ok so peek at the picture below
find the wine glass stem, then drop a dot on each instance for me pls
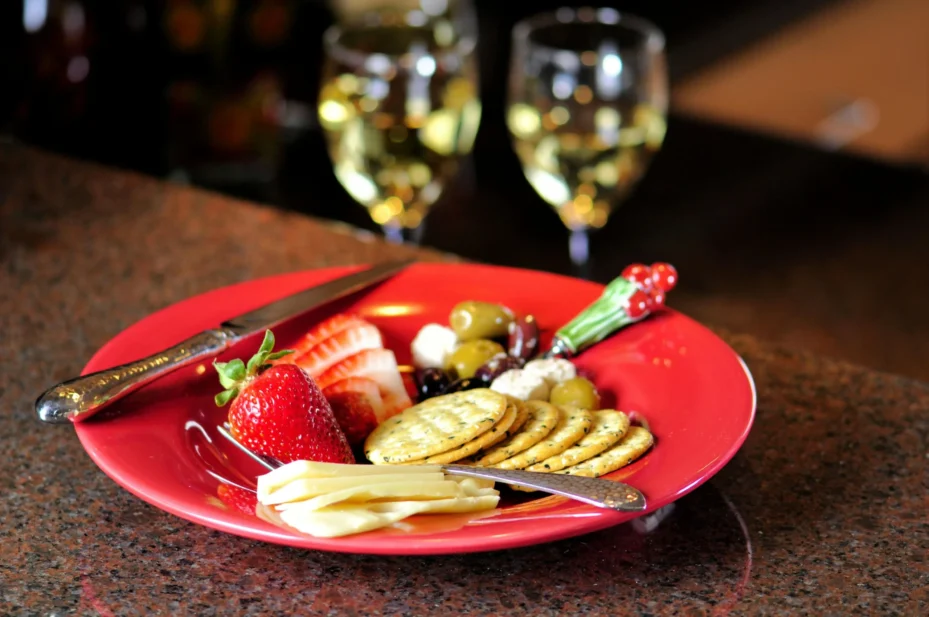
(397, 234)
(579, 250)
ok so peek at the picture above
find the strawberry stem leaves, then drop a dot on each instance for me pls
(225, 396)
(230, 373)
(264, 354)
(235, 374)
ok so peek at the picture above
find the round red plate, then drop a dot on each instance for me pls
(694, 391)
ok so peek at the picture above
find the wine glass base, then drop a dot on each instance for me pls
(395, 234)
(579, 250)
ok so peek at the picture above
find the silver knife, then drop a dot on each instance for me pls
(80, 398)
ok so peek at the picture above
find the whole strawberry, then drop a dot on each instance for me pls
(279, 411)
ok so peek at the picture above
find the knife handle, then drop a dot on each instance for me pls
(78, 399)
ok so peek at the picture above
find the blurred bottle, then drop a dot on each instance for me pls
(85, 79)
(224, 91)
(59, 41)
(241, 83)
(127, 109)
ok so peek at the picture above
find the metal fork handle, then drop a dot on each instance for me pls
(594, 491)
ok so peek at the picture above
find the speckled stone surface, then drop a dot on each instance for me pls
(823, 511)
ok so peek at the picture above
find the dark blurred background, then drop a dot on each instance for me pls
(100, 79)
(792, 187)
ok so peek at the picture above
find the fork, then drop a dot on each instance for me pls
(597, 492)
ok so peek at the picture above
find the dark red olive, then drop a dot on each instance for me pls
(497, 366)
(523, 341)
(431, 382)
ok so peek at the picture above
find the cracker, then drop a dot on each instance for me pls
(572, 426)
(608, 428)
(541, 420)
(636, 443)
(436, 425)
(481, 441)
(522, 414)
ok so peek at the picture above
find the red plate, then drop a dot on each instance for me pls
(695, 392)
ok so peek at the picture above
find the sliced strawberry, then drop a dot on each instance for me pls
(279, 410)
(339, 346)
(379, 365)
(357, 405)
(323, 330)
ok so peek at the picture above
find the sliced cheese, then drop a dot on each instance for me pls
(340, 522)
(305, 488)
(437, 506)
(472, 486)
(391, 490)
(330, 500)
(273, 480)
(346, 519)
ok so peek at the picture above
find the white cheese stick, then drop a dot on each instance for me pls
(341, 522)
(305, 488)
(391, 490)
(346, 519)
(273, 480)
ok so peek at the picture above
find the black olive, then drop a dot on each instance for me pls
(459, 385)
(431, 382)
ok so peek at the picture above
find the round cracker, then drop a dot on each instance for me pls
(541, 420)
(436, 425)
(636, 443)
(481, 441)
(522, 414)
(608, 428)
(572, 426)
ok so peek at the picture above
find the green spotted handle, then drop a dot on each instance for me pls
(628, 299)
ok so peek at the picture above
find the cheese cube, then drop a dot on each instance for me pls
(433, 345)
(522, 385)
(552, 370)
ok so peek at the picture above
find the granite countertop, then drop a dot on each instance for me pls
(822, 512)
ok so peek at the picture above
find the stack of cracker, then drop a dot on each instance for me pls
(488, 429)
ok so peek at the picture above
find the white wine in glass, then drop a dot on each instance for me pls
(400, 107)
(587, 101)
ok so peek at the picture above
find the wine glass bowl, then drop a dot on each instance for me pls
(587, 100)
(399, 106)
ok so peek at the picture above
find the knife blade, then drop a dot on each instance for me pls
(80, 398)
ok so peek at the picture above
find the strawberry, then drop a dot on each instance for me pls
(379, 365)
(357, 405)
(325, 329)
(339, 346)
(279, 411)
(236, 498)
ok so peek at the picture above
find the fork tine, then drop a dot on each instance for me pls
(267, 462)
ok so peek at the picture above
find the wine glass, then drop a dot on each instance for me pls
(587, 99)
(399, 105)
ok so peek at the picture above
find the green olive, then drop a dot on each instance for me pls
(575, 392)
(475, 320)
(472, 355)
